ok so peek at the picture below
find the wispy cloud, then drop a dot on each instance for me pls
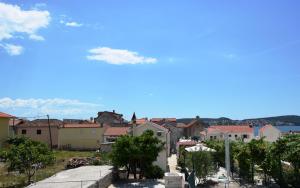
(36, 37)
(73, 24)
(12, 49)
(118, 56)
(55, 106)
(69, 23)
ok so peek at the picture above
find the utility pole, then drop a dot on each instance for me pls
(49, 132)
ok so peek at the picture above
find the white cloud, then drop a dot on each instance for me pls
(15, 20)
(73, 24)
(36, 37)
(118, 56)
(12, 49)
(55, 106)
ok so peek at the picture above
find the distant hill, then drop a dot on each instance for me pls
(276, 120)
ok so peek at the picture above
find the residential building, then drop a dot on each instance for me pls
(40, 130)
(4, 127)
(193, 129)
(110, 118)
(162, 134)
(80, 136)
(270, 133)
(234, 132)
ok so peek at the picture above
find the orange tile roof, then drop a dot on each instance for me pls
(4, 115)
(116, 131)
(232, 128)
(81, 125)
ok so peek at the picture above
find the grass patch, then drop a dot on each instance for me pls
(16, 180)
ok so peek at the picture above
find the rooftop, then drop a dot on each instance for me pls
(4, 115)
(231, 128)
(116, 131)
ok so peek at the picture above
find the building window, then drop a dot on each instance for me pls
(230, 135)
(211, 137)
(215, 137)
(245, 136)
(159, 133)
(235, 136)
(38, 131)
(23, 131)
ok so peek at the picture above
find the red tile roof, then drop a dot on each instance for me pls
(4, 115)
(116, 131)
(81, 125)
(232, 128)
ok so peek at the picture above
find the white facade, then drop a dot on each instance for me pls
(162, 134)
(234, 133)
(270, 133)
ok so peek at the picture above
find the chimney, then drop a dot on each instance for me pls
(113, 111)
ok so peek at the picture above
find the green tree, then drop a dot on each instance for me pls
(202, 162)
(134, 152)
(24, 154)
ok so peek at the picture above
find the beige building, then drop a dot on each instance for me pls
(81, 136)
(162, 134)
(4, 127)
(234, 132)
(40, 130)
(270, 133)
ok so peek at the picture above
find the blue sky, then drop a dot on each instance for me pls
(70, 59)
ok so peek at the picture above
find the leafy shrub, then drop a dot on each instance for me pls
(154, 172)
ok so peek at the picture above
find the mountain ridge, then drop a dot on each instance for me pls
(291, 120)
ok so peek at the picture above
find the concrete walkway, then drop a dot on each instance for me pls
(82, 177)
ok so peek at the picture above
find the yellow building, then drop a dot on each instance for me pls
(81, 136)
(4, 127)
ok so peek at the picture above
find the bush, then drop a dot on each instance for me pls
(154, 172)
